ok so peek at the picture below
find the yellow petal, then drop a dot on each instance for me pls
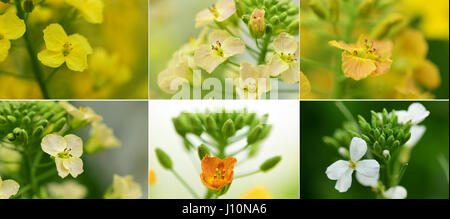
(277, 66)
(206, 59)
(5, 45)
(342, 45)
(357, 68)
(226, 8)
(305, 85)
(382, 67)
(55, 37)
(77, 60)
(233, 46)
(93, 11)
(11, 26)
(79, 41)
(285, 43)
(203, 18)
(427, 74)
(292, 75)
(51, 58)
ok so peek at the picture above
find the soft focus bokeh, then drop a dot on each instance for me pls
(172, 25)
(117, 68)
(424, 177)
(280, 182)
(419, 33)
(128, 120)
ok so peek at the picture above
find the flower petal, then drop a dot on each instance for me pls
(8, 188)
(5, 45)
(336, 170)
(396, 192)
(344, 183)
(417, 132)
(357, 68)
(285, 43)
(277, 66)
(417, 113)
(74, 165)
(358, 148)
(233, 46)
(11, 26)
(292, 75)
(75, 145)
(369, 168)
(80, 41)
(51, 59)
(226, 8)
(53, 144)
(77, 60)
(62, 171)
(205, 59)
(55, 37)
(367, 181)
(218, 36)
(203, 18)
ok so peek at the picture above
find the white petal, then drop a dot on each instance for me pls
(75, 145)
(285, 43)
(277, 66)
(336, 170)
(369, 168)
(62, 171)
(417, 113)
(203, 18)
(367, 181)
(403, 116)
(233, 46)
(292, 75)
(8, 188)
(53, 144)
(226, 8)
(396, 192)
(417, 132)
(344, 183)
(74, 165)
(358, 148)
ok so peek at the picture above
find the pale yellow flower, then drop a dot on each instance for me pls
(305, 85)
(253, 81)
(285, 60)
(177, 73)
(69, 189)
(124, 188)
(60, 48)
(221, 46)
(92, 10)
(8, 188)
(101, 137)
(218, 12)
(11, 28)
(85, 115)
(107, 68)
(67, 151)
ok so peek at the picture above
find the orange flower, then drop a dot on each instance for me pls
(366, 57)
(217, 173)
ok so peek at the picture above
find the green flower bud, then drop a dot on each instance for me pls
(246, 18)
(37, 132)
(294, 27)
(293, 11)
(270, 163)
(366, 138)
(2, 120)
(11, 119)
(254, 134)
(24, 136)
(366, 8)
(390, 140)
(331, 141)
(335, 10)
(283, 16)
(265, 132)
(406, 137)
(26, 120)
(382, 139)
(43, 123)
(187, 144)
(269, 28)
(228, 129)
(275, 20)
(11, 137)
(163, 158)
(376, 146)
(178, 126)
(396, 144)
(318, 9)
(239, 122)
(60, 124)
(249, 118)
(28, 6)
(211, 124)
(203, 151)
(383, 29)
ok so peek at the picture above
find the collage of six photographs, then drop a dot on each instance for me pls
(176, 99)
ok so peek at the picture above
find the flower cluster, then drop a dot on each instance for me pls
(227, 25)
(210, 136)
(29, 130)
(368, 49)
(387, 141)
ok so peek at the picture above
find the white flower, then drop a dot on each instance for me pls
(417, 132)
(367, 171)
(8, 188)
(416, 113)
(69, 189)
(124, 188)
(85, 115)
(285, 61)
(396, 192)
(386, 154)
(218, 12)
(67, 151)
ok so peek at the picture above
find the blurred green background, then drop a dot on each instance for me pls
(424, 178)
(129, 121)
(281, 182)
(439, 55)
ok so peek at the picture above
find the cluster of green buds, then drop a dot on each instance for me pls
(24, 123)
(269, 16)
(223, 128)
(384, 134)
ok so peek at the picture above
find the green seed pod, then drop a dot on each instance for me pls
(228, 129)
(203, 151)
(163, 158)
(270, 163)
(318, 9)
(37, 132)
(211, 124)
(254, 134)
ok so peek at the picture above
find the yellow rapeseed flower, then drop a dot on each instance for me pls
(92, 10)
(11, 28)
(60, 48)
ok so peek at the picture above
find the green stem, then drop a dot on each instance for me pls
(10, 162)
(14, 75)
(247, 174)
(38, 73)
(45, 175)
(209, 194)
(265, 45)
(239, 151)
(51, 74)
(185, 184)
(315, 63)
(232, 63)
